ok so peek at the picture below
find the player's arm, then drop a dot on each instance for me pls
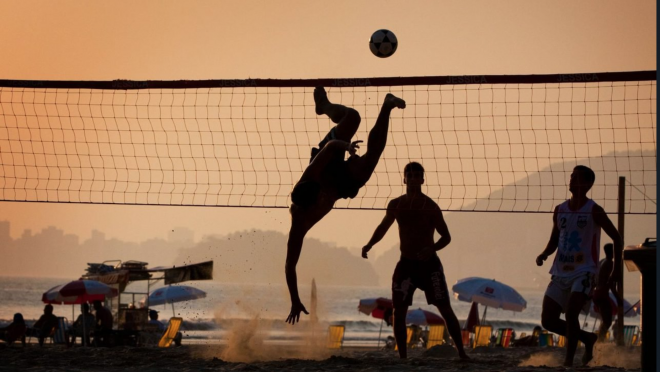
(601, 218)
(381, 230)
(551, 247)
(445, 237)
(294, 248)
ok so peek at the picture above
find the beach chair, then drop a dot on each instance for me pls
(546, 339)
(59, 335)
(465, 335)
(409, 335)
(436, 335)
(335, 336)
(503, 338)
(170, 333)
(561, 341)
(482, 335)
(630, 333)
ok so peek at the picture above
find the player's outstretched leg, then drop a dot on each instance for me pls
(378, 134)
(347, 119)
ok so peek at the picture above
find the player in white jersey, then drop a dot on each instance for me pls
(575, 236)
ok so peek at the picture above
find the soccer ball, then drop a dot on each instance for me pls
(383, 43)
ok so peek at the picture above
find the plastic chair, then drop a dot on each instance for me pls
(482, 335)
(465, 335)
(60, 332)
(630, 333)
(171, 331)
(504, 337)
(436, 335)
(546, 339)
(561, 341)
(409, 332)
(335, 336)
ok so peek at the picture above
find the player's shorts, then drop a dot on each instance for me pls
(560, 288)
(428, 276)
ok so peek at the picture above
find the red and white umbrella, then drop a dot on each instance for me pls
(375, 306)
(78, 292)
(423, 317)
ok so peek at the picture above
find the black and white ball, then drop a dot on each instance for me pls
(383, 43)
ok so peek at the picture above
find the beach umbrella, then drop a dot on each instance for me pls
(78, 292)
(376, 307)
(473, 318)
(423, 317)
(489, 292)
(172, 294)
(630, 311)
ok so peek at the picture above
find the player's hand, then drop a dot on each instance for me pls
(352, 148)
(294, 315)
(540, 259)
(425, 253)
(366, 250)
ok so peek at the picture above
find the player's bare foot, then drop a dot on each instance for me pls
(589, 349)
(393, 101)
(321, 100)
(464, 356)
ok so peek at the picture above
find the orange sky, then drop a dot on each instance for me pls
(163, 40)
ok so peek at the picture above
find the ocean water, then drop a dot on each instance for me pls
(229, 305)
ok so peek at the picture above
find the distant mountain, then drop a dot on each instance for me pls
(258, 257)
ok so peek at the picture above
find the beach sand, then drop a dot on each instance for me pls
(203, 357)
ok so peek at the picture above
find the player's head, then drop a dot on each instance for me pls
(413, 171)
(305, 193)
(582, 179)
(609, 250)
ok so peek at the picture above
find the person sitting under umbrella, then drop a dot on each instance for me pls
(104, 321)
(83, 326)
(43, 327)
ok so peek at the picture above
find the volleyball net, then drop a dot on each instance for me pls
(488, 143)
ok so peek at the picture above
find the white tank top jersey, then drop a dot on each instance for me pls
(578, 249)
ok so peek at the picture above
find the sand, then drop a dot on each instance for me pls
(288, 358)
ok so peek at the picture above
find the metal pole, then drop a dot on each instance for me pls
(381, 329)
(621, 228)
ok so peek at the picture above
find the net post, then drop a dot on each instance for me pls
(619, 274)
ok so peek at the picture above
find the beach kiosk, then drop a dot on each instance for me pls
(118, 274)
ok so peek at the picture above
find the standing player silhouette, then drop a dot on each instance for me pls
(576, 228)
(418, 217)
(329, 177)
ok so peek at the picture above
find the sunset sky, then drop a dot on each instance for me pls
(172, 40)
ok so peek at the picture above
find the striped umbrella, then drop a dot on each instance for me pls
(78, 292)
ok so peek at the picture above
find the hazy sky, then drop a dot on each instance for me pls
(164, 40)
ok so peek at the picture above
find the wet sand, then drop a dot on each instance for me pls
(290, 358)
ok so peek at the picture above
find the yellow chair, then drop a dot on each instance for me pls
(409, 332)
(482, 335)
(561, 341)
(171, 331)
(436, 335)
(335, 336)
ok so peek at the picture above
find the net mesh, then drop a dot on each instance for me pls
(485, 146)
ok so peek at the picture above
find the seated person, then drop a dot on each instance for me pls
(155, 329)
(531, 340)
(45, 325)
(83, 326)
(14, 331)
(103, 328)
